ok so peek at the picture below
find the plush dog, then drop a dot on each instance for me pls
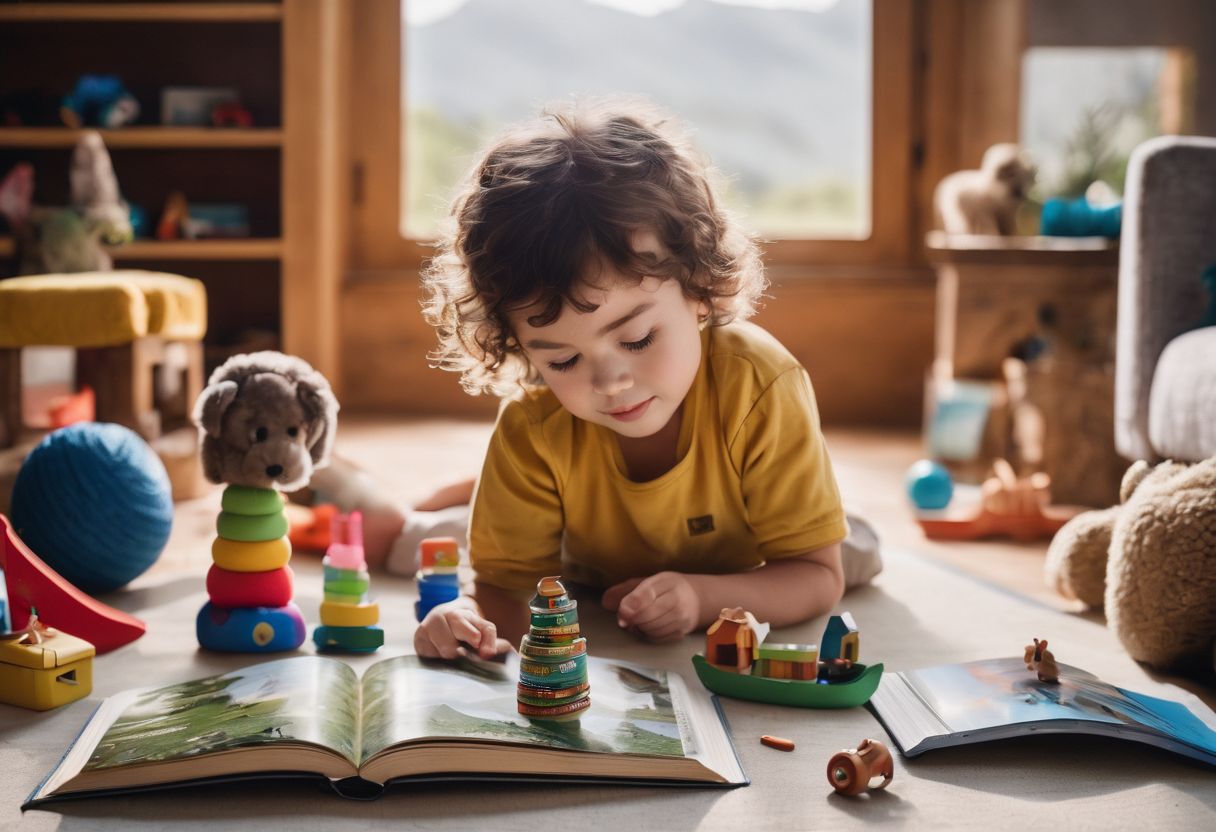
(267, 421)
(986, 201)
(1150, 562)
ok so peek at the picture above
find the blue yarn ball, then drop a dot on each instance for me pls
(929, 485)
(94, 502)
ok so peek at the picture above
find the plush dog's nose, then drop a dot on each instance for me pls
(274, 470)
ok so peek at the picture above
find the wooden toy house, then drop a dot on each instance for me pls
(733, 641)
(841, 639)
(45, 669)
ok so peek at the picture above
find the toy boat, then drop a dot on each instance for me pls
(791, 692)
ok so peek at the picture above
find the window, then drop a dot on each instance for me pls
(1084, 109)
(804, 105)
(777, 92)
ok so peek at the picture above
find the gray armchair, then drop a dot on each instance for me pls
(1165, 369)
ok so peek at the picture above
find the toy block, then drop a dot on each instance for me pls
(43, 668)
(33, 584)
(348, 639)
(440, 554)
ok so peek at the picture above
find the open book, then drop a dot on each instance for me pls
(939, 707)
(407, 718)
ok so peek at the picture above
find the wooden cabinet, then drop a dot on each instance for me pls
(281, 57)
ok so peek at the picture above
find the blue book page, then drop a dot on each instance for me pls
(1001, 692)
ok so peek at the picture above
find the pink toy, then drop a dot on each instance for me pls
(31, 583)
(346, 546)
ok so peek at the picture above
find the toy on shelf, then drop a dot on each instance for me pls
(929, 485)
(31, 584)
(851, 771)
(42, 668)
(230, 114)
(99, 101)
(1039, 659)
(267, 421)
(1010, 506)
(553, 657)
(742, 666)
(348, 617)
(438, 581)
(986, 201)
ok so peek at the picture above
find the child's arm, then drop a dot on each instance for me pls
(782, 592)
(472, 621)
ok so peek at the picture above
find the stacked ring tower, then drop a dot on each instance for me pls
(250, 584)
(553, 657)
(348, 618)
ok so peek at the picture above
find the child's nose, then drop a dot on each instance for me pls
(611, 378)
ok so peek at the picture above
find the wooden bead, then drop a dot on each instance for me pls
(249, 589)
(240, 556)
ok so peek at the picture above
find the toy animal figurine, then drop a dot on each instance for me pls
(851, 771)
(986, 201)
(99, 101)
(72, 239)
(267, 421)
(1039, 659)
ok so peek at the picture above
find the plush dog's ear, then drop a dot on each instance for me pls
(212, 403)
(321, 409)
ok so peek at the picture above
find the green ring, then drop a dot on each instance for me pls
(355, 586)
(251, 502)
(251, 528)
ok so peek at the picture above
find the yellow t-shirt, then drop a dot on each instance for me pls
(753, 482)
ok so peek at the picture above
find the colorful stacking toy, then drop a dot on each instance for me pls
(438, 583)
(348, 618)
(553, 657)
(250, 583)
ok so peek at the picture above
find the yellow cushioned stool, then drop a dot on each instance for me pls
(122, 324)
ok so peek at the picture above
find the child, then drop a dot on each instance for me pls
(653, 448)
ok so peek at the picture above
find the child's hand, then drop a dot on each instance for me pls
(659, 607)
(449, 628)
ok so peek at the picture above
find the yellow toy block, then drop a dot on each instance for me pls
(45, 675)
(349, 615)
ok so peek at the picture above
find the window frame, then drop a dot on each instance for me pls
(375, 106)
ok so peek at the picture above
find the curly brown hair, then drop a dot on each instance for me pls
(553, 198)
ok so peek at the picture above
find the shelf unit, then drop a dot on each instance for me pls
(290, 61)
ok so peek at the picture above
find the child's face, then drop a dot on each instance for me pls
(628, 364)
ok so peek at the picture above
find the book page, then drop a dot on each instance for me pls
(1002, 694)
(408, 699)
(307, 699)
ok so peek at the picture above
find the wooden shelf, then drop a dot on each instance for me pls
(146, 137)
(246, 249)
(140, 12)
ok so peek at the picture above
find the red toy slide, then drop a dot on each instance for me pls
(31, 583)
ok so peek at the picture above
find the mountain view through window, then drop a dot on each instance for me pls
(776, 92)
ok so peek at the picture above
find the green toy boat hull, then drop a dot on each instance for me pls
(791, 692)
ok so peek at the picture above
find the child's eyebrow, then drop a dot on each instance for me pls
(536, 344)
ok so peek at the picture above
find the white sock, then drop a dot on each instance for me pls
(419, 525)
(860, 553)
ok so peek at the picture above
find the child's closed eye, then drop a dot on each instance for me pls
(640, 344)
(563, 366)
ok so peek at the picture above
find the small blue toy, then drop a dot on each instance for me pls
(438, 581)
(250, 629)
(98, 101)
(1078, 218)
(929, 485)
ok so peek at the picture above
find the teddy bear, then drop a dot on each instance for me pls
(267, 421)
(1149, 562)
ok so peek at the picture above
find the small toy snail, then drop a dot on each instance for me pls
(851, 770)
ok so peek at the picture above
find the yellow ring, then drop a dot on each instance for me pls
(349, 615)
(240, 556)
